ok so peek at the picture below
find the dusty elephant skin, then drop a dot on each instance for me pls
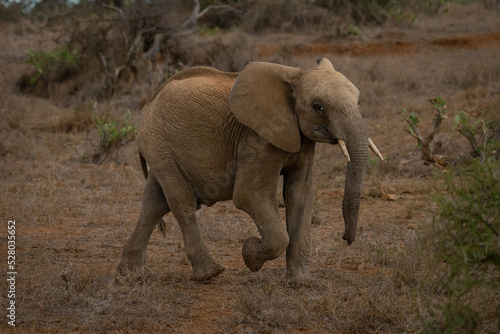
(212, 136)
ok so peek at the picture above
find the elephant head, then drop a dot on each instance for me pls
(282, 104)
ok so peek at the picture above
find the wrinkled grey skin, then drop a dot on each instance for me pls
(211, 136)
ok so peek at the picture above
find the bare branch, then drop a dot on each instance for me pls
(106, 70)
(425, 144)
(196, 15)
(436, 126)
(153, 51)
(134, 48)
(193, 18)
(217, 7)
(414, 134)
(118, 10)
(414, 129)
(472, 140)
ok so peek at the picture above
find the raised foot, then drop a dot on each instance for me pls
(250, 251)
(207, 272)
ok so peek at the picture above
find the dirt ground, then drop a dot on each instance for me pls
(73, 214)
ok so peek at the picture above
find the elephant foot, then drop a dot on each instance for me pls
(206, 272)
(298, 280)
(130, 263)
(250, 251)
(297, 273)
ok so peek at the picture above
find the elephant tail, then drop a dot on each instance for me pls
(144, 166)
(162, 226)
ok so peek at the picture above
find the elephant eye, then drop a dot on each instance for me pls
(318, 107)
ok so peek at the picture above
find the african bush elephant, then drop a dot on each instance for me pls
(212, 136)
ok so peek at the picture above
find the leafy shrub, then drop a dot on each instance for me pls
(424, 144)
(113, 134)
(47, 64)
(467, 239)
(480, 134)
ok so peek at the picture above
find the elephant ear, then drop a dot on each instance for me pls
(325, 64)
(261, 98)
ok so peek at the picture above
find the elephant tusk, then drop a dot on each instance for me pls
(375, 149)
(343, 148)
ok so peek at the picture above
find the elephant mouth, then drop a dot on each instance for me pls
(324, 134)
(341, 143)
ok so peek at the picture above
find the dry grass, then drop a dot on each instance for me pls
(89, 298)
(332, 304)
(73, 216)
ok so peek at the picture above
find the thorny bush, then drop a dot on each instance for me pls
(467, 240)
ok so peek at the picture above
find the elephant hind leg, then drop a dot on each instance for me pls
(154, 207)
(184, 204)
(202, 262)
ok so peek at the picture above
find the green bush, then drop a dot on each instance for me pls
(424, 143)
(114, 133)
(48, 63)
(480, 134)
(467, 240)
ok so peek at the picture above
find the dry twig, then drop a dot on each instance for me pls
(192, 21)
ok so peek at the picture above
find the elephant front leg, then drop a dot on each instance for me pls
(257, 197)
(298, 196)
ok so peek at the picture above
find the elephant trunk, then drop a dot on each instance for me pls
(357, 147)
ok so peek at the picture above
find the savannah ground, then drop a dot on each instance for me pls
(75, 203)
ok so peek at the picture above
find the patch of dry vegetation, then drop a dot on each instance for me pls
(363, 295)
(89, 298)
